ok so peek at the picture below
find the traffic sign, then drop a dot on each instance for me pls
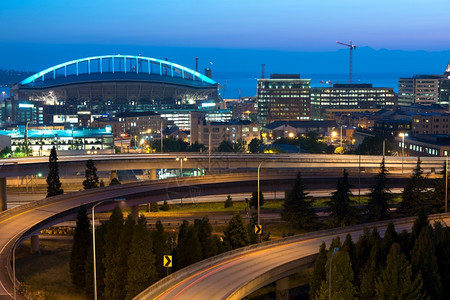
(167, 261)
(258, 229)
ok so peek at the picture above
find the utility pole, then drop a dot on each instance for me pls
(351, 46)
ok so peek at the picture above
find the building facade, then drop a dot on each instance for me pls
(283, 97)
(349, 98)
(431, 123)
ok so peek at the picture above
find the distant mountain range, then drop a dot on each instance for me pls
(8, 77)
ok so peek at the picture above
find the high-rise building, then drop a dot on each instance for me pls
(425, 89)
(349, 98)
(283, 97)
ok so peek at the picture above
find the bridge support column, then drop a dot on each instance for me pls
(135, 212)
(152, 174)
(282, 289)
(35, 244)
(3, 200)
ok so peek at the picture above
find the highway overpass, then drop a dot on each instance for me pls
(74, 166)
(25, 221)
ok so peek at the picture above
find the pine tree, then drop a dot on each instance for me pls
(419, 224)
(298, 208)
(53, 182)
(254, 200)
(341, 206)
(80, 247)
(114, 181)
(341, 278)
(319, 273)
(415, 194)
(396, 280)
(390, 237)
(368, 276)
(236, 233)
(91, 180)
(160, 247)
(362, 251)
(380, 196)
(154, 207)
(141, 261)
(437, 201)
(228, 202)
(204, 231)
(121, 258)
(189, 250)
(350, 247)
(442, 249)
(112, 237)
(423, 261)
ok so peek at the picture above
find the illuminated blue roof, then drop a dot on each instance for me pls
(111, 64)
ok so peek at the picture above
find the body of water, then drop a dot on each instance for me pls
(232, 82)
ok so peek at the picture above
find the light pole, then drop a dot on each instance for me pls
(181, 164)
(331, 263)
(209, 152)
(341, 140)
(259, 169)
(446, 181)
(402, 135)
(26, 139)
(93, 242)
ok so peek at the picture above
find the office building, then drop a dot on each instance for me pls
(283, 97)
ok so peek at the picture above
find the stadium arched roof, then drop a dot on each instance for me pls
(126, 67)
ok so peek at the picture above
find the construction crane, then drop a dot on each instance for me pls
(351, 46)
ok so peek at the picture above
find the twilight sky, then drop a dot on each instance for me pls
(264, 24)
(404, 37)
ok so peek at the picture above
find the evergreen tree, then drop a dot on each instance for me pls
(165, 206)
(437, 201)
(204, 231)
(189, 250)
(141, 262)
(380, 196)
(121, 259)
(298, 208)
(390, 237)
(236, 233)
(112, 237)
(362, 251)
(254, 200)
(442, 249)
(91, 180)
(160, 247)
(80, 247)
(53, 182)
(350, 247)
(319, 273)
(154, 207)
(228, 202)
(341, 278)
(396, 280)
(368, 276)
(423, 261)
(420, 224)
(415, 194)
(340, 205)
(100, 233)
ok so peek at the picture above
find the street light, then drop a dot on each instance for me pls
(402, 135)
(93, 241)
(181, 164)
(331, 263)
(446, 180)
(209, 152)
(259, 168)
(341, 140)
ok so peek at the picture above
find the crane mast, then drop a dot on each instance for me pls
(351, 46)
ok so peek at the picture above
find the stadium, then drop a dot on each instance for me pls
(114, 83)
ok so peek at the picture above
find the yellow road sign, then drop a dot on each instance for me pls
(167, 261)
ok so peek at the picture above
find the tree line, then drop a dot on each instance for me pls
(129, 255)
(398, 266)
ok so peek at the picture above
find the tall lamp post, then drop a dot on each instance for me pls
(93, 241)
(341, 140)
(402, 135)
(331, 263)
(259, 169)
(209, 152)
(181, 164)
(446, 180)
